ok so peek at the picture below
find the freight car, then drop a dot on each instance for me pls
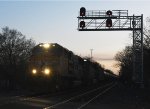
(59, 68)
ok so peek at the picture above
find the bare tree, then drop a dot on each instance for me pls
(14, 52)
(147, 33)
(125, 60)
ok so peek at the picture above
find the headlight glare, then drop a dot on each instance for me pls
(47, 71)
(34, 71)
(46, 45)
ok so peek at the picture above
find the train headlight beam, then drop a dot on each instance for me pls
(46, 45)
(34, 71)
(47, 71)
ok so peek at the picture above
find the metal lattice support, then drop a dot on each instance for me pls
(121, 21)
(138, 51)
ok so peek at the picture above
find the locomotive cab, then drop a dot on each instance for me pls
(44, 59)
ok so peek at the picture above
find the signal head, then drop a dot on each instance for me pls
(109, 13)
(82, 24)
(82, 11)
(108, 23)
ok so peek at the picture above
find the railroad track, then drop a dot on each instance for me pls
(88, 97)
(50, 101)
(31, 96)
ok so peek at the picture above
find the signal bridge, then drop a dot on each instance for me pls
(117, 20)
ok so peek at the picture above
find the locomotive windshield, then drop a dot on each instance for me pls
(50, 49)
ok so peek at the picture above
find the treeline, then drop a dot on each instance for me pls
(15, 49)
(125, 60)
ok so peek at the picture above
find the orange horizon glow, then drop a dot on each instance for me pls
(110, 64)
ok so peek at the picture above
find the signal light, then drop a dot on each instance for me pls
(82, 24)
(108, 23)
(82, 11)
(109, 13)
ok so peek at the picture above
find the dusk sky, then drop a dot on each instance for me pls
(56, 22)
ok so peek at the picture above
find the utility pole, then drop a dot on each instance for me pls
(91, 53)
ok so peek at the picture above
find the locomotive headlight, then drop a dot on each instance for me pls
(47, 71)
(85, 60)
(46, 45)
(34, 71)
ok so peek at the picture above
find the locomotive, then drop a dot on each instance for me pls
(55, 66)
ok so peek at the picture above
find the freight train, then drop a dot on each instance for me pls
(56, 66)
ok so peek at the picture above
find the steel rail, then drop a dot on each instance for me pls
(75, 97)
(101, 93)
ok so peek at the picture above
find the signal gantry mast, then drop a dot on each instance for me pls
(117, 20)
